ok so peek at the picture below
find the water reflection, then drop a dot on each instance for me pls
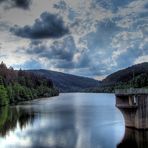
(10, 117)
(67, 121)
(134, 138)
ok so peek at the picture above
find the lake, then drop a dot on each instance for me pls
(71, 120)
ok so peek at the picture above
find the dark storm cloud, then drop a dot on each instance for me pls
(24, 4)
(2, 1)
(58, 50)
(47, 26)
(60, 53)
(109, 31)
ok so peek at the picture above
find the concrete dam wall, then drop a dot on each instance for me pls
(133, 103)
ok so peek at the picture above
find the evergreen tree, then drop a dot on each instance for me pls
(17, 86)
(3, 94)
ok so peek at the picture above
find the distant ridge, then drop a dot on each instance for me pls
(68, 82)
(135, 76)
(127, 74)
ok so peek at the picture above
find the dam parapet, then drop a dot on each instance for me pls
(133, 103)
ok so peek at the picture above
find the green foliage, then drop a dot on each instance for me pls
(139, 81)
(3, 96)
(67, 82)
(135, 76)
(17, 86)
(4, 100)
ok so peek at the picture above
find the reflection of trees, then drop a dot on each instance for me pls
(10, 117)
(25, 117)
(134, 138)
(3, 116)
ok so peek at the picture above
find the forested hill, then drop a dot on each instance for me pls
(17, 86)
(68, 82)
(135, 76)
(139, 71)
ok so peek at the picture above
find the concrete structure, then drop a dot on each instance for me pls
(133, 103)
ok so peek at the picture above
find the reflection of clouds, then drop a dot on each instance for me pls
(16, 139)
(49, 130)
(89, 113)
(93, 133)
(70, 122)
(57, 130)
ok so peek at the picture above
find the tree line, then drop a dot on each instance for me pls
(139, 81)
(17, 86)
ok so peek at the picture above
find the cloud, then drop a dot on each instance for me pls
(60, 54)
(60, 5)
(58, 50)
(47, 26)
(93, 39)
(105, 31)
(4, 26)
(141, 59)
(2, 1)
(24, 4)
(31, 62)
(113, 5)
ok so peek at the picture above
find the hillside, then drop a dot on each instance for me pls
(18, 86)
(67, 82)
(135, 76)
(127, 74)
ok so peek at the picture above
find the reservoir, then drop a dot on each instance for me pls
(70, 120)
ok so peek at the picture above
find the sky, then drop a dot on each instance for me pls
(91, 38)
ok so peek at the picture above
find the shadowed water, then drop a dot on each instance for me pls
(73, 120)
(134, 138)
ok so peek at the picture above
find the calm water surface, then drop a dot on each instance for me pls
(73, 120)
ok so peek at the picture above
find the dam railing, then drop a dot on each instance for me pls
(131, 91)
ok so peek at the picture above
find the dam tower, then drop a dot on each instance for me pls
(133, 103)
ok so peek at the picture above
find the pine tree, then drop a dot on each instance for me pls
(1, 81)
(3, 93)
